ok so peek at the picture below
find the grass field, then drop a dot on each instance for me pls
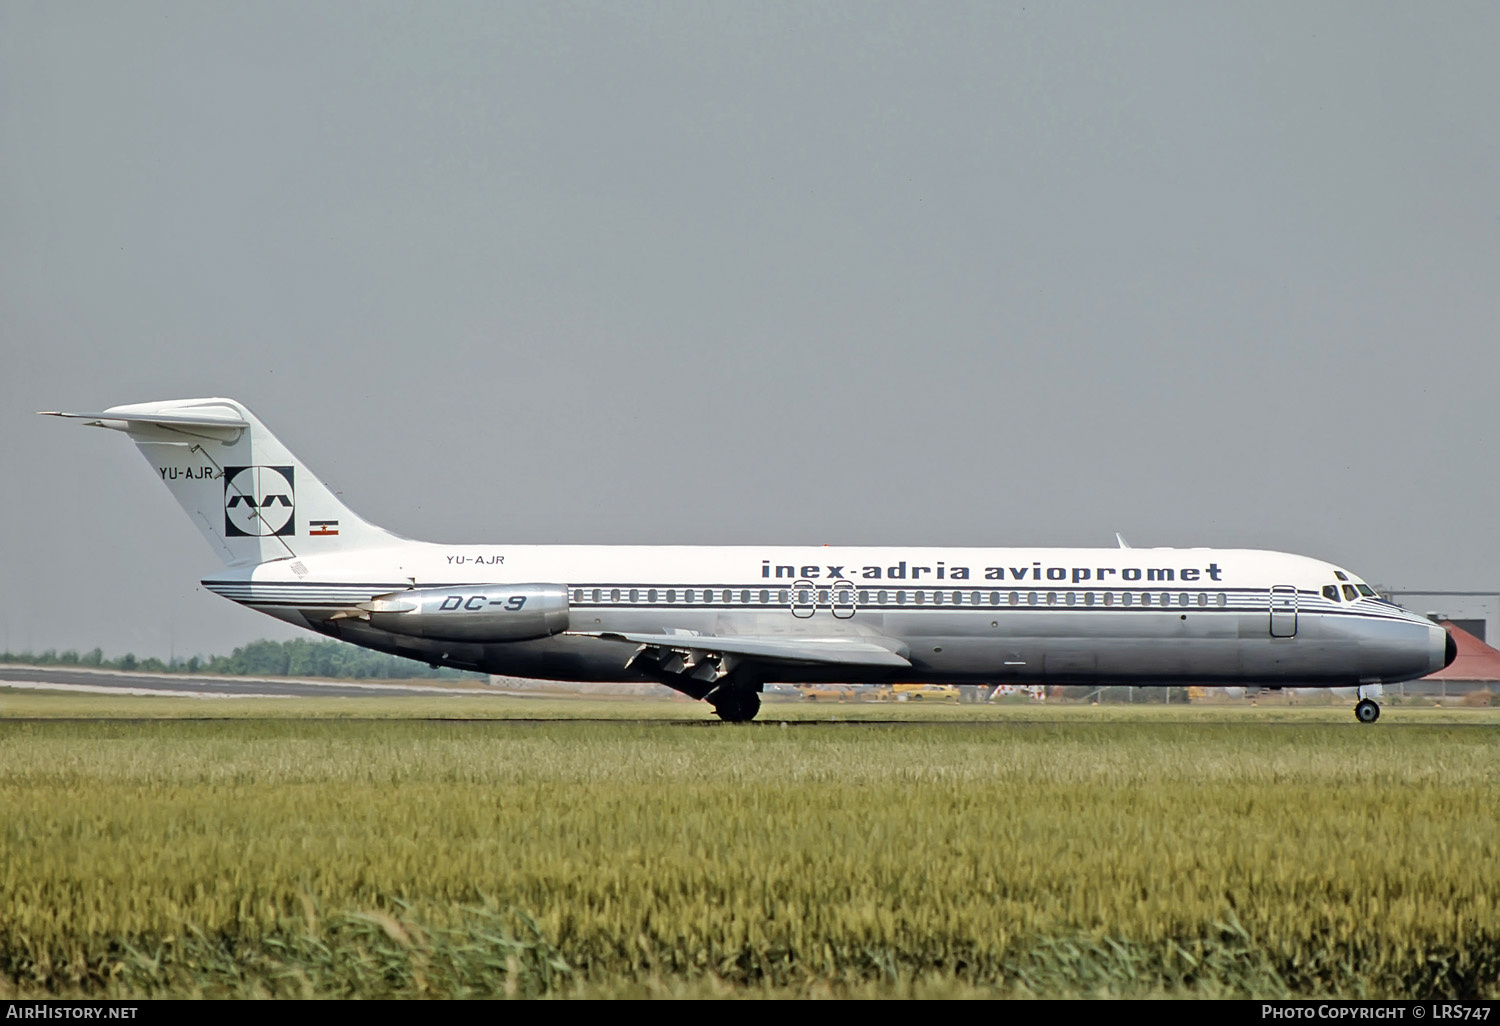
(344, 847)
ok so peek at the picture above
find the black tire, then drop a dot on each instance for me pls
(736, 706)
(1367, 711)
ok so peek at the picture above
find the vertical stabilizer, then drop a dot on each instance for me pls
(252, 499)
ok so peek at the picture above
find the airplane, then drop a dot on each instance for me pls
(719, 623)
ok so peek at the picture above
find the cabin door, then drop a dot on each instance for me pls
(1284, 611)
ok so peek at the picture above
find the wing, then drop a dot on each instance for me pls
(845, 650)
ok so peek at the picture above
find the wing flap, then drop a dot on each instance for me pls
(841, 650)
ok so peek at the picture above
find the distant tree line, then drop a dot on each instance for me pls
(299, 658)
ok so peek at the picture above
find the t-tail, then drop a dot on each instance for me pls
(252, 499)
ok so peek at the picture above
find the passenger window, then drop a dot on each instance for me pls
(1331, 592)
(1031, 598)
(900, 598)
(1072, 598)
(651, 595)
(1166, 598)
(745, 597)
(921, 597)
(880, 598)
(635, 596)
(1109, 598)
(1350, 593)
(614, 595)
(1145, 598)
(1015, 598)
(765, 597)
(974, 599)
(1125, 598)
(1203, 598)
(937, 598)
(864, 598)
(1183, 599)
(1223, 600)
(578, 595)
(598, 595)
(1051, 598)
(782, 596)
(1088, 598)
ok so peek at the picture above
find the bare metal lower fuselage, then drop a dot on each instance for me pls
(981, 644)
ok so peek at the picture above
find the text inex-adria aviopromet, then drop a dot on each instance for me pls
(904, 570)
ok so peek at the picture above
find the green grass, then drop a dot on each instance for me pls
(18, 703)
(1022, 850)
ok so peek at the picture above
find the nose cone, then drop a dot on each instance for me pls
(1441, 649)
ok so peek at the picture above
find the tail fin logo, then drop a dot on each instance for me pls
(259, 502)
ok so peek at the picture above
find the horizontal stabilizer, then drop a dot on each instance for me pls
(796, 648)
(208, 416)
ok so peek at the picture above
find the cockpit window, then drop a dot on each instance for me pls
(1350, 593)
(1331, 592)
(1366, 590)
(1340, 575)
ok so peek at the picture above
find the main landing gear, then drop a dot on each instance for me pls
(734, 693)
(1366, 711)
(735, 704)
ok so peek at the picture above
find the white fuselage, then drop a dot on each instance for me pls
(1132, 616)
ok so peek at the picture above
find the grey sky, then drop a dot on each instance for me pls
(1207, 274)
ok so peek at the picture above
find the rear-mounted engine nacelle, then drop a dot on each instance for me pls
(500, 612)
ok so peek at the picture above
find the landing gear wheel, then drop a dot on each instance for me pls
(1367, 711)
(737, 705)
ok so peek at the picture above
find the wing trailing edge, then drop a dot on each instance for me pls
(860, 650)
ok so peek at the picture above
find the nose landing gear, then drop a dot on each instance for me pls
(1366, 711)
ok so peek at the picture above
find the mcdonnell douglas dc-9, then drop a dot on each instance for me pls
(720, 622)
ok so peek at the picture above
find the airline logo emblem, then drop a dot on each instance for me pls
(258, 502)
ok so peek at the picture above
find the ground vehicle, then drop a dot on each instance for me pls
(827, 693)
(925, 692)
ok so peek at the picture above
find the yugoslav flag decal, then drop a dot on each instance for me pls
(323, 527)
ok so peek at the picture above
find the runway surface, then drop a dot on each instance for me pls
(117, 682)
